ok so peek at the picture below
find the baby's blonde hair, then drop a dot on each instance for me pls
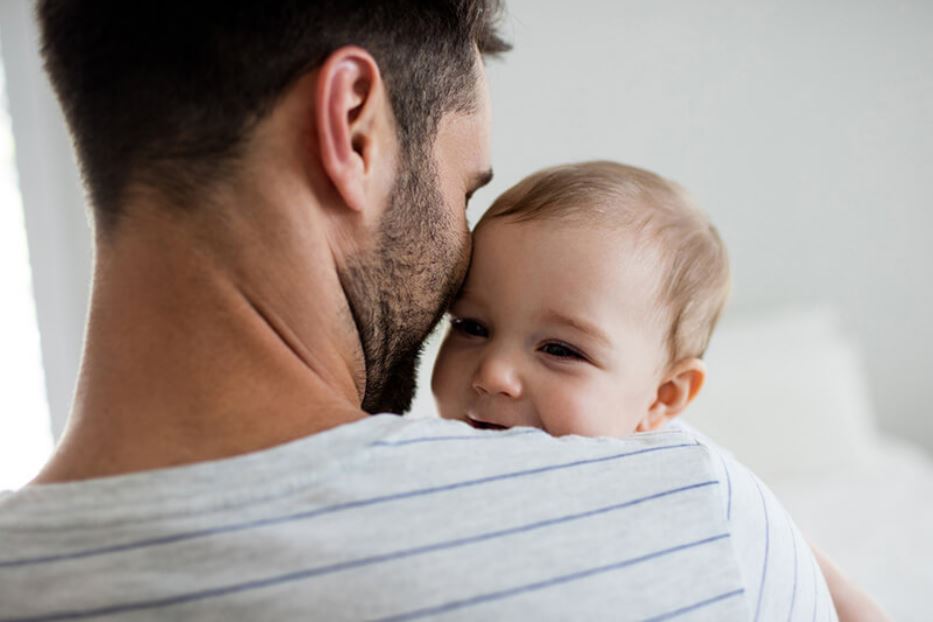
(695, 279)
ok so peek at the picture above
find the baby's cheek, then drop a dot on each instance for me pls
(446, 377)
(592, 410)
(570, 409)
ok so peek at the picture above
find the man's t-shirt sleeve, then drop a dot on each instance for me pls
(781, 575)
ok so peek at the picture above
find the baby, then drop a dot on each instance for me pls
(590, 300)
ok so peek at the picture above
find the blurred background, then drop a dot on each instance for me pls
(805, 130)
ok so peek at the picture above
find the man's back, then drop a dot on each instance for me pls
(391, 518)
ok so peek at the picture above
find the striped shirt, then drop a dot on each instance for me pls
(392, 518)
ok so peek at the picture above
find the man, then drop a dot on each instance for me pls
(279, 191)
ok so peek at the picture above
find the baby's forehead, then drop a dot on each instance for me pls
(618, 238)
(592, 261)
(655, 229)
(632, 221)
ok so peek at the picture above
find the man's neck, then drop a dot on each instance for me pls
(189, 358)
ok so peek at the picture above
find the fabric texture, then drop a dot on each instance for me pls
(392, 518)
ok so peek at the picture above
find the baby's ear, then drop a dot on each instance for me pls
(680, 386)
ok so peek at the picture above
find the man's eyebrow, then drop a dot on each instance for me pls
(579, 324)
(479, 180)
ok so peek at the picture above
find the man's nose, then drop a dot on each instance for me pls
(497, 374)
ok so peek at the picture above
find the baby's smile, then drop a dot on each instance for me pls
(479, 424)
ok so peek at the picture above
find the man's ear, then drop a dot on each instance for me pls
(355, 128)
(680, 386)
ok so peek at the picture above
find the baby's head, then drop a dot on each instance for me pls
(591, 297)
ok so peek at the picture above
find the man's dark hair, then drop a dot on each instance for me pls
(162, 94)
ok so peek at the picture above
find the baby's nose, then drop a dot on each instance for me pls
(497, 375)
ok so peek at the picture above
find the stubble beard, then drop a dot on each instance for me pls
(399, 291)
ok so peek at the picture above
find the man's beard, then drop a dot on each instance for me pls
(399, 291)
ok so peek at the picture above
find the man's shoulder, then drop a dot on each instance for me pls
(392, 516)
(434, 432)
(672, 465)
(428, 447)
(454, 447)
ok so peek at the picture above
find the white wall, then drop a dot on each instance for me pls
(804, 127)
(56, 227)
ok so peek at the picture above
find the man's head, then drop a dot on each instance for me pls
(168, 100)
(591, 297)
(164, 93)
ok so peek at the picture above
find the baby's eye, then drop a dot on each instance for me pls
(468, 327)
(562, 351)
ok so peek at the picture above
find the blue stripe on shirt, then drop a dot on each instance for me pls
(816, 601)
(764, 565)
(700, 605)
(793, 595)
(725, 468)
(340, 507)
(471, 437)
(371, 560)
(539, 585)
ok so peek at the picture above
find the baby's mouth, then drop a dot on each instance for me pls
(484, 425)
